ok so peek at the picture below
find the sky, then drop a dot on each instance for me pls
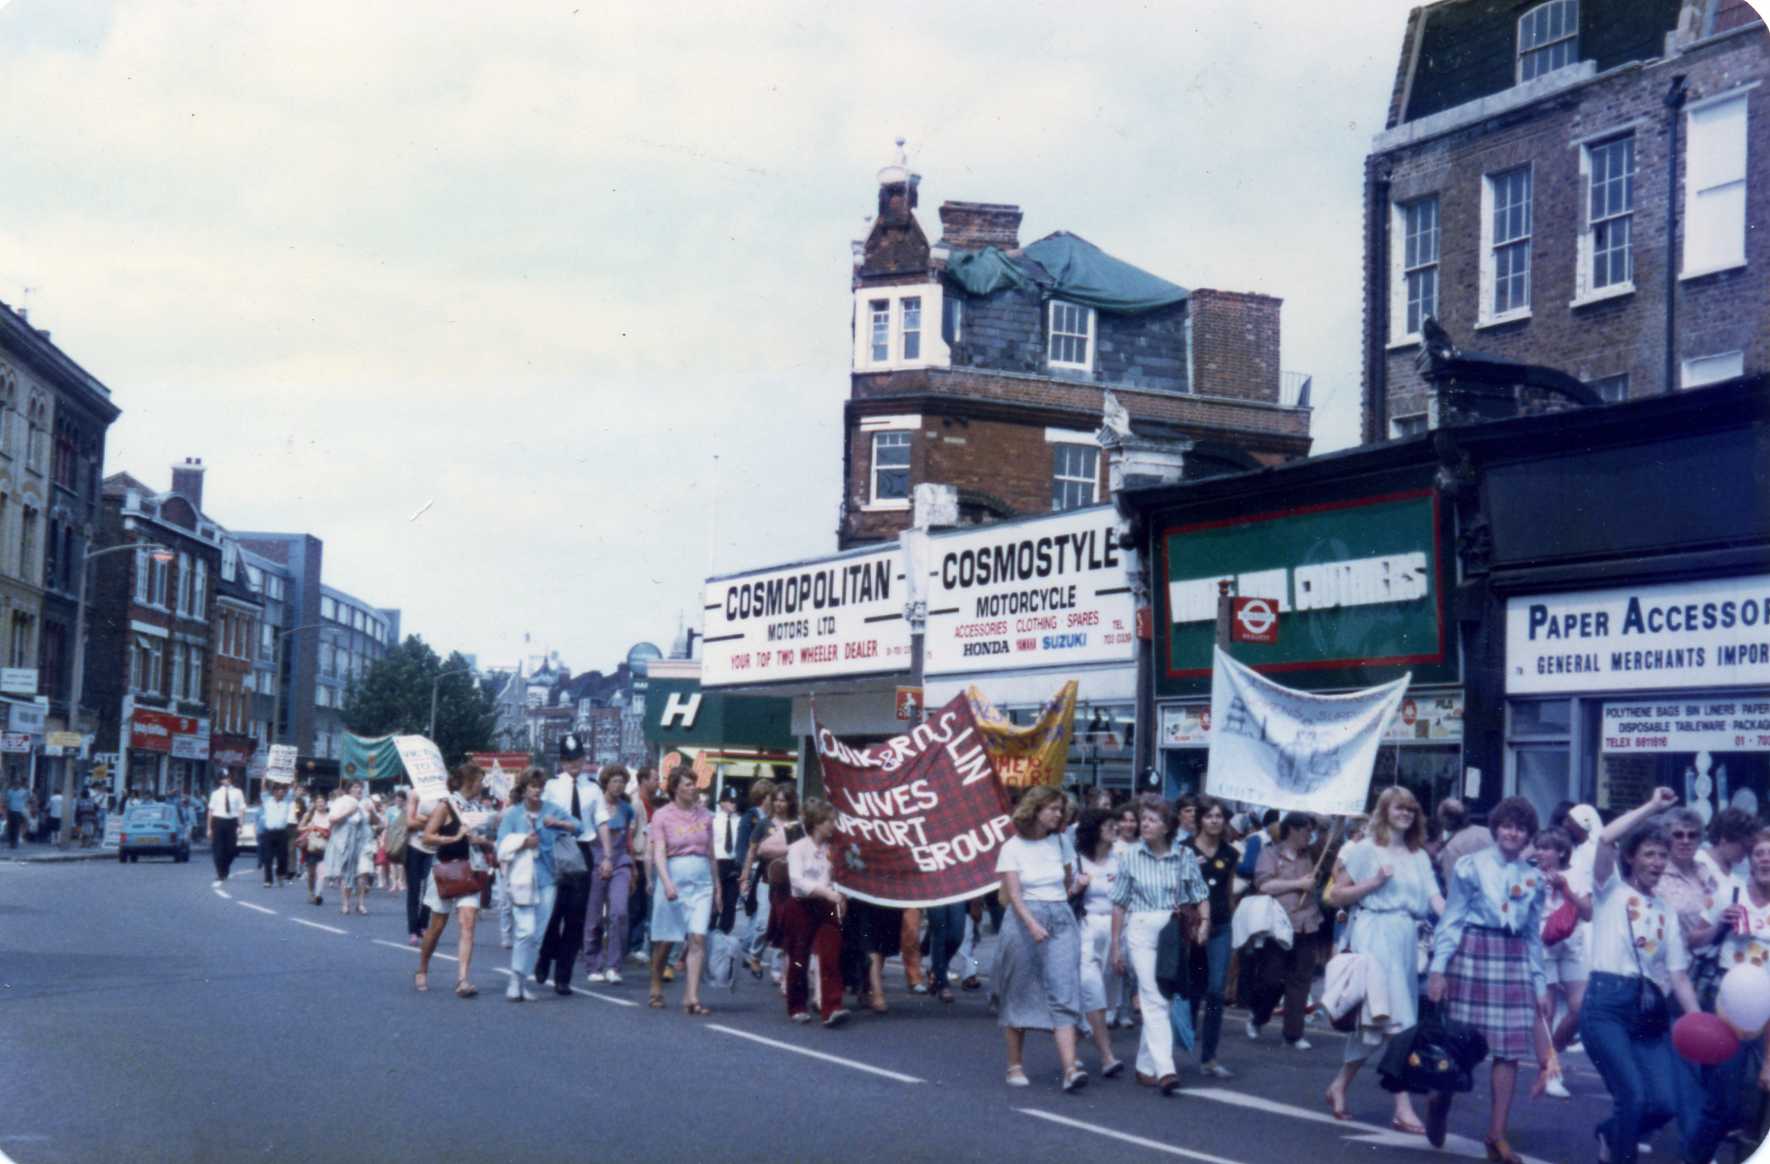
(538, 314)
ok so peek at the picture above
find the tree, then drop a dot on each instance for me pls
(394, 698)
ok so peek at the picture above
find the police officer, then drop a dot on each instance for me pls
(573, 789)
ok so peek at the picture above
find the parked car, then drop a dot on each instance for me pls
(152, 830)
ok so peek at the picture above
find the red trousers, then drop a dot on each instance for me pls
(811, 928)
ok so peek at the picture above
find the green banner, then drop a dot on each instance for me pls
(1360, 587)
(365, 759)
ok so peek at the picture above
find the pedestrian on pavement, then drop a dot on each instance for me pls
(350, 838)
(811, 914)
(1096, 872)
(1217, 862)
(274, 818)
(1564, 963)
(1039, 955)
(769, 839)
(1286, 872)
(1745, 927)
(726, 857)
(315, 827)
(1635, 935)
(1157, 880)
(450, 836)
(687, 892)
(226, 807)
(18, 803)
(52, 827)
(1387, 882)
(1462, 836)
(611, 878)
(1487, 963)
(527, 831)
(572, 792)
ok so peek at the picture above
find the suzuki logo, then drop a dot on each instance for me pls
(676, 707)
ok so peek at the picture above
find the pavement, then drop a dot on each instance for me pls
(148, 1015)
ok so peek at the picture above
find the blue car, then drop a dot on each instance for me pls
(153, 830)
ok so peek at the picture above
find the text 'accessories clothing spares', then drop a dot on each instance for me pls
(920, 817)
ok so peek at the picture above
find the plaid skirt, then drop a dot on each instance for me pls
(1488, 984)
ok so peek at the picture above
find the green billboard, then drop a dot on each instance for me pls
(679, 712)
(1359, 585)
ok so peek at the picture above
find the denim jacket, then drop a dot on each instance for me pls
(515, 821)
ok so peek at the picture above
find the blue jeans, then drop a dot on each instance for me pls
(946, 931)
(1641, 1074)
(1726, 1087)
(1216, 974)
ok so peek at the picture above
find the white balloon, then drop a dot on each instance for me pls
(1744, 999)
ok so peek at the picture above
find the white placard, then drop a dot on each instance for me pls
(424, 764)
(1714, 632)
(498, 782)
(279, 768)
(1040, 593)
(18, 680)
(26, 717)
(815, 620)
(1683, 725)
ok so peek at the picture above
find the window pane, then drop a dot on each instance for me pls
(1545, 717)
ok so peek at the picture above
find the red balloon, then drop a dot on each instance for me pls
(1704, 1039)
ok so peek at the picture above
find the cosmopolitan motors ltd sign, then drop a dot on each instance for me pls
(1043, 592)
(1710, 633)
(833, 617)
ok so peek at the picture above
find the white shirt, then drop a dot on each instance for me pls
(276, 812)
(1753, 946)
(227, 803)
(1097, 897)
(724, 822)
(55, 805)
(1039, 864)
(558, 793)
(1621, 915)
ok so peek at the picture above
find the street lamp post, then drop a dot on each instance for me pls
(431, 735)
(160, 554)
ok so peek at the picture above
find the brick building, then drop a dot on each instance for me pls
(1521, 191)
(984, 365)
(239, 612)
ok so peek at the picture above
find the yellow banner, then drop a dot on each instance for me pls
(1034, 754)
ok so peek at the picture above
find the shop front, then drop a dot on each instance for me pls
(1350, 553)
(1019, 608)
(832, 629)
(166, 753)
(731, 740)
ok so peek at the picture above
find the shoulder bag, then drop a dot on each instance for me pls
(1652, 1017)
(569, 866)
(458, 878)
(1173, 961)
(394, 838)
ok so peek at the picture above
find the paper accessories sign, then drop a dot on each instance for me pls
(1030, 594)
(829, 618)
(1678, 725)
(424, 765)
(920, 817)
(1714, 632)
(1292, 749)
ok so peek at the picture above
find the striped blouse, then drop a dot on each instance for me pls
(1147, 882)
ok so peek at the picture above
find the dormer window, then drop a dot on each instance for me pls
(1548, 38)
(880, 312)
(889, 329)
(1071, 343)
(912, 328)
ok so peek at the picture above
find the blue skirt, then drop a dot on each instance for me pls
(692, 911)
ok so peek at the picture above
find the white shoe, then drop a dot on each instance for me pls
(1253, 1031)
(506, 945)
(597, 977)
(514, 991)
(1300, 1045)
(216, 884)
(614, 978)
(1557, 1088)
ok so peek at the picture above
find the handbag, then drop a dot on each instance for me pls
(394, 839)
(569, 865)
(316, 841)
(1561, 923)
(1652, 1017)
(1173, 959)
(458, 878)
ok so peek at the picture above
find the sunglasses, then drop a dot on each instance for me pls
(1685, 836)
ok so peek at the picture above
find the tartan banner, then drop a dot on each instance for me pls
(919, 817)
(1037, 753)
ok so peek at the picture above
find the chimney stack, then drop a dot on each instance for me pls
(187, 481)
(970, 226)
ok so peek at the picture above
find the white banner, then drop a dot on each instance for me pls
(498, 783)
(424, 764)
(817, 620)
(1677, 725)
(1714, 632)
(279, 768)
(1037, 593)
(1290, 749)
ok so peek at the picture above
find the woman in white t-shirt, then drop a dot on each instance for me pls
(1635, 935)
(1039, 952)
(1097, 869)
(1743, 915)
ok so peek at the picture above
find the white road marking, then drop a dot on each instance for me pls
(259, 908)
(316, 925)
(1454, 1144)
(1126, 1137)
(810, 1054)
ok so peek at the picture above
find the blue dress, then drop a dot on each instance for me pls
(1385, 927)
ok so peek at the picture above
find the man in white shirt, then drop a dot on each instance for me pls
(573, 790)
(226, 806)
(725, 857)
(53, 831)
(273, 835)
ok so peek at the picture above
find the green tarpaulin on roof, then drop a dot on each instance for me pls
(1074, 269)
(363, 759)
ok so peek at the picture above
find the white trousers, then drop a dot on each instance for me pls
(1155, 1050)
(1100, 982)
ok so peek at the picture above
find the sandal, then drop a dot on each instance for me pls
(1337, 1108)
(877, 1003)
(1017, 1078)
(695, 1009)
(465, 989)
(1500, 1151)
(946, 994)
(421, 982)
(1402, 1125)
(656, 1002)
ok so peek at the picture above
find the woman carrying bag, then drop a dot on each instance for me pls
(447, 891)
(526, 833)
(314, 833)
